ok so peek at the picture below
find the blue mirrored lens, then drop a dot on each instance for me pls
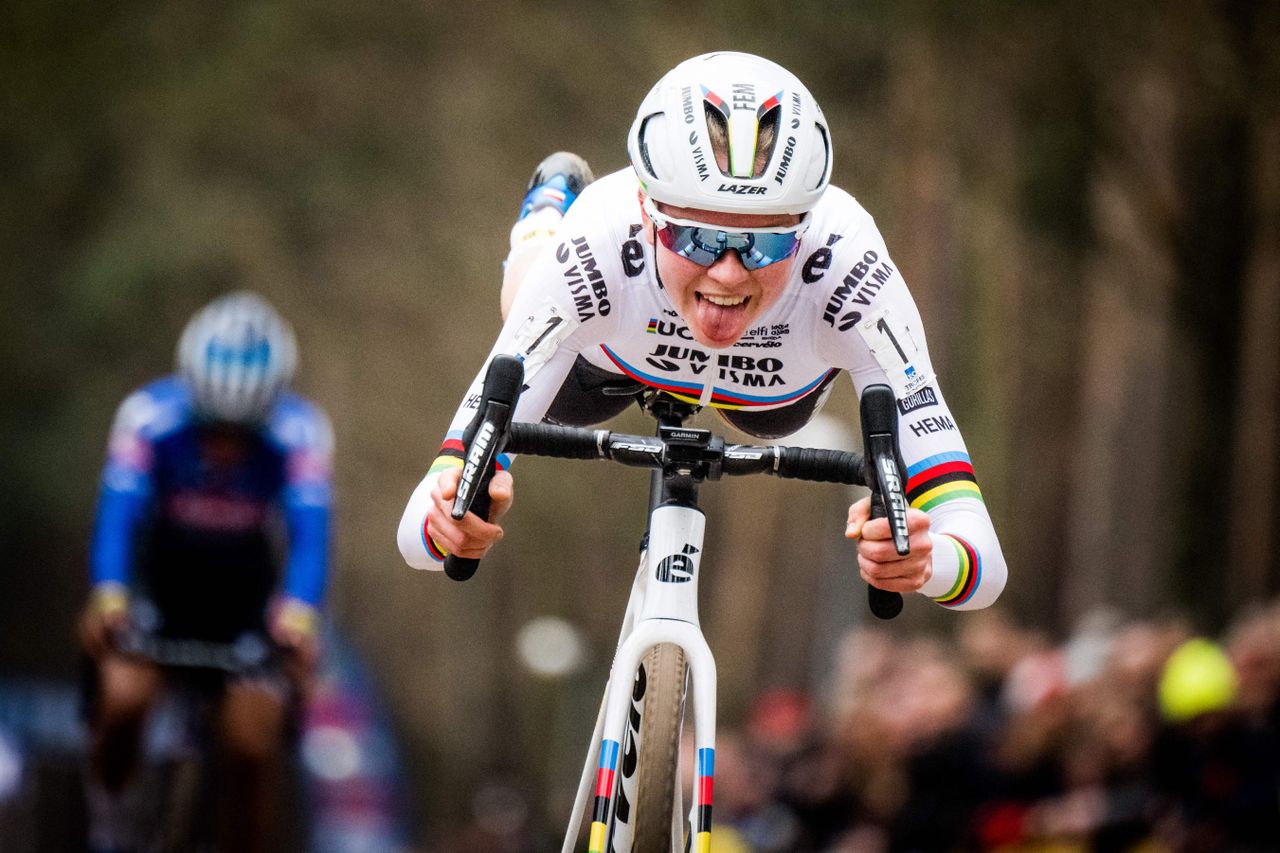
(705, 246)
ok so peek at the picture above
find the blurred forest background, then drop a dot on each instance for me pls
(1083, 196)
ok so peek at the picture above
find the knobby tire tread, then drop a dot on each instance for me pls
(665, 669)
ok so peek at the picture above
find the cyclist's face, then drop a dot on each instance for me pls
(720, 302)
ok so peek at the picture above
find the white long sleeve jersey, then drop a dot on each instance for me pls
(594, 293)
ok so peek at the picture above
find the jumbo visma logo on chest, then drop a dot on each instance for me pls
(744, 370)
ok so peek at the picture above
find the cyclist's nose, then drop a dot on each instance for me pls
(728, 268)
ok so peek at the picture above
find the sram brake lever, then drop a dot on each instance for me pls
(484, 439)
(888, 493)
(478, 467)
(893, 498)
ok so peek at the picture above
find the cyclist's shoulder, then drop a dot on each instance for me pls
(845, 246)
(848, 272)
(297, 423)
(597, 252)
(607, 204)
(609, 189)
(158, 408)
(841, 215)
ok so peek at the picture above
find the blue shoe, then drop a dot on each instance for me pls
(557, 182)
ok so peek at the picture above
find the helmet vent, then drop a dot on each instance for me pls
(644, 146)
(821, 162)
(767, 138)
(761, 146)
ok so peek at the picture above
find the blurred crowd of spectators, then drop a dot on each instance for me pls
(1127, 736)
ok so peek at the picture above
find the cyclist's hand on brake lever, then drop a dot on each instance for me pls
(295, 627)
(878, 560)
(472, 537)
(104, 617)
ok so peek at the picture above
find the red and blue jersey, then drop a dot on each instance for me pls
(169, 486)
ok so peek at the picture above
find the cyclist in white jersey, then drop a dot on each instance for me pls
(721, 268)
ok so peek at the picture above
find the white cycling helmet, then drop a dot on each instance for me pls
(731, 132)
(237, 354)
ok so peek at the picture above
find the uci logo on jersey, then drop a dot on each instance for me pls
(678, 568)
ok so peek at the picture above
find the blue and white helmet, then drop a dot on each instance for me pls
(731, 132)
(237, 354)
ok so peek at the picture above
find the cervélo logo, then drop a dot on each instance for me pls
(678, 568)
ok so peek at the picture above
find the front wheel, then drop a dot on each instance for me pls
(645, 814)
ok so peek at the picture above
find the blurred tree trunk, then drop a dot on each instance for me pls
(1131, 375)
(1256, 459)
(1170, 368)
(1256, 462)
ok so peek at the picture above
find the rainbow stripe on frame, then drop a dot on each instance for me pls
(706, 790)
(941, 478)
(604, 791)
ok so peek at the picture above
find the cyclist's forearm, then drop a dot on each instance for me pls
(307, 569)
(126, 488)
(413, 535)
(111, 553)
(969, 570)
(968, 567)
(547, 356)
(307, 500)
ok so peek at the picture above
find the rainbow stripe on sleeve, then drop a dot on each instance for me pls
(969, 576)
(941, 478)
(451, 455)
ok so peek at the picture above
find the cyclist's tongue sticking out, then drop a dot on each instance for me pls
(720, 320)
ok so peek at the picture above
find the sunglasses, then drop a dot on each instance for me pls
(705, 244)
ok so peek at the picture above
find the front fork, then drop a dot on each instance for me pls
(663, 609)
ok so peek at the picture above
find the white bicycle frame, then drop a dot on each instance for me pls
(664, 597)
(663, 608)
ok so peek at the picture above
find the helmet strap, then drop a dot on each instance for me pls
(657, 274)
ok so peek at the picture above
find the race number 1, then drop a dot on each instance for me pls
(895, 350)
(538, 337)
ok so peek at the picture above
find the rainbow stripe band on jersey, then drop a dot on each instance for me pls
(604, 792)
(941, 478)
(452, 454)
(967, 578)
(690, 392)
(453, 449)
